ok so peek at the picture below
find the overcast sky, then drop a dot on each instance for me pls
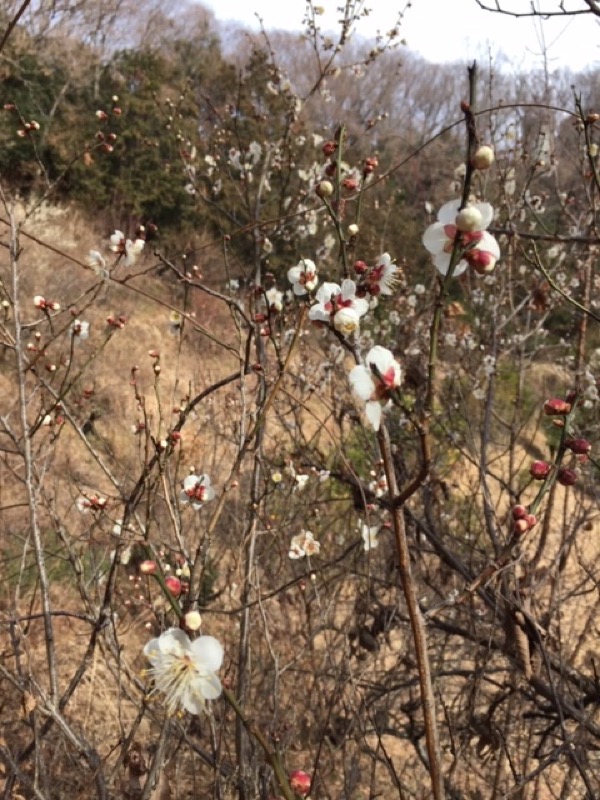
(447, 30)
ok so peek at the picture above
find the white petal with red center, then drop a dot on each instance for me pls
(383, 360)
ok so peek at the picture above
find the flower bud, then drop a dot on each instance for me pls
(481, 261)
(581, 447)
(360, 267)
(300, 782)
(352, 229)
(192, 620)
(346, 321)
(469, 219)
(325, 189)
(329, 148)
(520, 527)
(483, 157)
(531, 520)
(148, 567)
(567, 477)
(519, 512)
(556, 407)
(173, 584)
(540, 470)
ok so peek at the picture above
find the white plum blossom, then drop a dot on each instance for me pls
(479, 248)
(303, 277)
(197, 491)
(339, 306)
(183, 670)
(126, 247)
(373, 382)
(96, 261)
(274, 299)
(369, 536)
(80, 329)
(383, 275)
(300, 482)
(303, 544)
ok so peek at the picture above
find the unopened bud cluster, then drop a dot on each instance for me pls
(523, 521)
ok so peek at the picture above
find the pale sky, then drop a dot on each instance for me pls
(447, 30)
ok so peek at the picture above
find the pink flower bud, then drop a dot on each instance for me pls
(329, 148)
(300, 782)
(531, 520)
(540, 470)
(148, 567)
(556, 407)
(173, 584)
(481, 261)
(520, 527)
(519, 512)
(360, 267)
(580, 447)
(567, 477)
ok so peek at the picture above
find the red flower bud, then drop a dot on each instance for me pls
(556, 407)
(148, 568)
(580, 447)
(173, 584)
(567, 477)
(519, 512)
(531, 520)
(300, 782)
(329, 148)
(360, 267)
(539, 470)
